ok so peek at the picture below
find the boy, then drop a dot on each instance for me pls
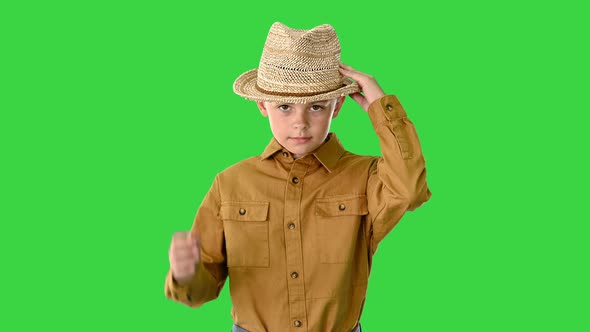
(295, 228)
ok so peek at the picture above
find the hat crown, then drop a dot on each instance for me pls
(321, 40)
(300, 62)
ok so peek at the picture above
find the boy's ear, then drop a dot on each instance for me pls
(262, 108)
(339, 101)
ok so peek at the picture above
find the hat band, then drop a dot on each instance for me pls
(292, 94)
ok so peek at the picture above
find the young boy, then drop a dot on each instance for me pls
(295, 228)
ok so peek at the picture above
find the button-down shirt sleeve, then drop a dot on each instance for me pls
(397, 180)
(211, 272)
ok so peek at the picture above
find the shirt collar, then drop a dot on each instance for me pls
(327, 154)
(272, 148)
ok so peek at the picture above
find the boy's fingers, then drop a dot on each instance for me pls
(186, 236)
(343, 65)
(345, 70)
(179, 239)
(186, 240)
(179, 236)
(349, 69)
(352, 74)
(183, 254)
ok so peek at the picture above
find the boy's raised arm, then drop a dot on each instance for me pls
(397, 180)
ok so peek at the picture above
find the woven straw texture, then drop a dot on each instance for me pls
(296, 66)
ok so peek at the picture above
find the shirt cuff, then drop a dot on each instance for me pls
(176, 291)
(386, 109)
(388, 116)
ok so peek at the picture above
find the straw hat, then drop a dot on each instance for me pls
(297, 66)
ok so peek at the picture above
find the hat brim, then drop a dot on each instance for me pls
(245, 86)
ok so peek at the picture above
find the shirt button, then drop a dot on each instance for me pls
(242, 211)
(342, 207)
(389, 107)
(297, 323)
(285, 154)
(294, 275)
(295, 180)
(291, 226)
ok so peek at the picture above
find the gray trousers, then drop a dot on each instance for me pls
(236, 328)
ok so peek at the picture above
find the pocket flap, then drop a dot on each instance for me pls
(246, 211)
(341, 206)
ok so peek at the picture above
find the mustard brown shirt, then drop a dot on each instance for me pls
(296, 237)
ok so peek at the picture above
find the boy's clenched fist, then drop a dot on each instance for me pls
(184, 254)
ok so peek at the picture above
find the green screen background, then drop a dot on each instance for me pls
(115, 117)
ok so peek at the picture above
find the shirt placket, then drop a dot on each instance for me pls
(293, 244)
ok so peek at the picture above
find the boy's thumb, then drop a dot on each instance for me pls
(195, 237)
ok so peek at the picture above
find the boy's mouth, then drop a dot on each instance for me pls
(300, 139)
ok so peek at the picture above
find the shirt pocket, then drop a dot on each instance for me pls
(339, 219)
(246, 233)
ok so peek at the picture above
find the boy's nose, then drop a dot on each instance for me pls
(301, 120)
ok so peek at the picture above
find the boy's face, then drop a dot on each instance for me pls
(301, 128)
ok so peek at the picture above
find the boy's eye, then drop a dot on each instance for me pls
(317, 108)
(284, 107)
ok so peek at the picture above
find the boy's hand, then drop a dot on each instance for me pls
(184, 255)
(369, 86)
